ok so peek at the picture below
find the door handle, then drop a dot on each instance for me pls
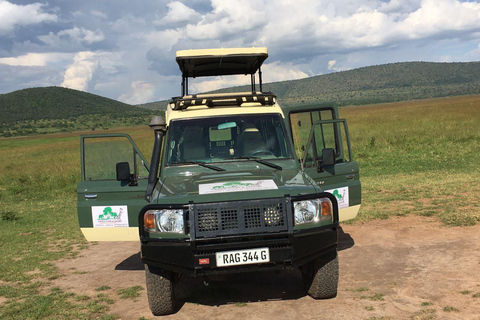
(90, 196)
(350, 176)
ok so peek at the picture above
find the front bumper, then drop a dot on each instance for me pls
(286, 251)
(288, 248)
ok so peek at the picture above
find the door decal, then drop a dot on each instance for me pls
(110, 216)
(342, 196)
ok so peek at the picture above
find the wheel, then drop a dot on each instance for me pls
(320, 277)
(160, 290)
(265, 151)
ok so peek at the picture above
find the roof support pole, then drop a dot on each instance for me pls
(260, 78)
(183, 86)
(252, 78)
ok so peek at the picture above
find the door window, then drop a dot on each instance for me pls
(101, 154)
(324, 136)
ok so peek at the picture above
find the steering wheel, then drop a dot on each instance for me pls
(263, 151)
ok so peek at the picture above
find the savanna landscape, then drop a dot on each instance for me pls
(412, 253)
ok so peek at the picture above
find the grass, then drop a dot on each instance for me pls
(450, 309)
(375, 297)
(129, 293)
(38, 225)
(417, 157)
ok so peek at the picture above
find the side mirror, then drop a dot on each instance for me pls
(123, 171)
(328, 159)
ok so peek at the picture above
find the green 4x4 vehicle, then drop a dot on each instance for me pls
(235, 184)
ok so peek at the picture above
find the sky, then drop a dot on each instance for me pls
(125, 50)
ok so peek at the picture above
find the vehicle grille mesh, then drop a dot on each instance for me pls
(239, 217)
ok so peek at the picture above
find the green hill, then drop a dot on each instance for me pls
(375, 84)
(53, 109)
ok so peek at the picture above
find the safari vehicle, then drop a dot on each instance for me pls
(235, 184)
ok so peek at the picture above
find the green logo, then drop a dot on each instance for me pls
(109, 214)
(337, 194)
(229, 185)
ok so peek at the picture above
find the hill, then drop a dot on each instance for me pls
(375, 84)
(53, 109)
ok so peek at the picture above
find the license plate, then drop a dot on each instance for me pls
(241, 257)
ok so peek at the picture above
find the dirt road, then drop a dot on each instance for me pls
(402, 268)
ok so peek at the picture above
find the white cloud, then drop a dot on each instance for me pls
(77, 35)
(12, 15)
(35, 59)
(165, 39)
(332, 66)
(214, 83)
(271, 72)
(178, 12)
(142, 92)
(276, 71)
(80, 72)
(229, 19)
(98, 14)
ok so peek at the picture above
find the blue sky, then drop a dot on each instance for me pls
(125, 50)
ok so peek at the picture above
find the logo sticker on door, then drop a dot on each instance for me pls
(341, 194)
(110, 216)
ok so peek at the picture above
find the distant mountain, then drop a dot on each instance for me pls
(59, 103)
(56, 109)
(375, 84)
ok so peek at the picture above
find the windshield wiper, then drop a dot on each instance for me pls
(256, 159)
(203, 164)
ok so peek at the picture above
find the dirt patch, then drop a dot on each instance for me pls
(402, 268)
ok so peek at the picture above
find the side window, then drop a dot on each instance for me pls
(301, 126)
(332, 134)
(324, 137)
(328, 132)
(101, 154)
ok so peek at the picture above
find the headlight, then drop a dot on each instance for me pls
(314, 210)
(165, 220)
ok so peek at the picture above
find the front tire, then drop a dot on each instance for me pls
(320, 277)
(160, 290)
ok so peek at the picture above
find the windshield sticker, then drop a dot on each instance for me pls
(236, 186)
(110, 216)
(342, 196)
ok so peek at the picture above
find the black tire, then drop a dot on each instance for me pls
(321, 277)
(160, 291)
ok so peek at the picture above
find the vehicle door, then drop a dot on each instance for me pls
(111, 192)
(322, 144)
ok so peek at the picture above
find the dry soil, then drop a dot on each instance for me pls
(402, 268)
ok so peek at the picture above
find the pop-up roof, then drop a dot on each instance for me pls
(220, 62)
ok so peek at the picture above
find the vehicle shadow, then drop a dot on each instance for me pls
(132, 263)
(345, 241)
(241, 288)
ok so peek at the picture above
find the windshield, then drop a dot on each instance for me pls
(226, 138)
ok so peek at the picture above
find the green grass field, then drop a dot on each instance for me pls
(417, 157)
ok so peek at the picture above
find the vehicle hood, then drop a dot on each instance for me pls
(226, 186)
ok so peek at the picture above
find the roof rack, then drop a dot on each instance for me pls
(221, 62)
(234, 99)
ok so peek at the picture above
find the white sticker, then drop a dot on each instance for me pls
(342, 196)
(110, 216)
(236, 186)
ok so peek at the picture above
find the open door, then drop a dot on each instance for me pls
(112, 190)
(322, 144)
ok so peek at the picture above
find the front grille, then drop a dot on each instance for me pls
(239, 217)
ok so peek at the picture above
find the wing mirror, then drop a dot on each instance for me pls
(328, 159)
(123, 174)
